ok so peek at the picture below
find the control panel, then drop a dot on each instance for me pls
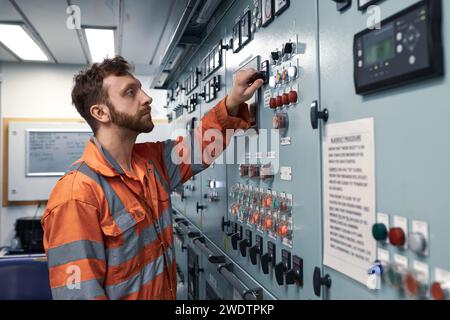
(332, 193)
(407, 47)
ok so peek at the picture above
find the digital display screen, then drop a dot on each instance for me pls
(380, 51)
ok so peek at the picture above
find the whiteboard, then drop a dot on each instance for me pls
(39, 153)
(50, 152)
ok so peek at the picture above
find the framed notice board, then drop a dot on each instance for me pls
(36, 153)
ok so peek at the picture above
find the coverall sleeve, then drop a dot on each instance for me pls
(190, 155)
(74, 245)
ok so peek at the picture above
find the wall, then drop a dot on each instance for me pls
(43, 91)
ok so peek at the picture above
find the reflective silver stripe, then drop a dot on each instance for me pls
(73, 167)
(160, 178)
(88, 290)
(122, 218)
(134, 243)
(108, 157)
(173, 170)
(145, 276)
(75, 251)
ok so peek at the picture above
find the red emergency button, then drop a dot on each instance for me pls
(437, 292)
(293, 96)
(273, 103)
(397, 237)
(279, 101)
(286, 100)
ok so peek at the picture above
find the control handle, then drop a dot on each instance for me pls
(317, 115)
(319, 281)
(254, 252)
(265, 260)
(280, 269)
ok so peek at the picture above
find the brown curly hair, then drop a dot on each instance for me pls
(88, 89)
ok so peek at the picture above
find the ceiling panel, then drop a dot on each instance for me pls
(103, 13)
(49, 19)
(6, 56)
(144, 21)
(7, 12)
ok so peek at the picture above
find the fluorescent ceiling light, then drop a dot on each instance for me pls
(101, 43)
(16, 39)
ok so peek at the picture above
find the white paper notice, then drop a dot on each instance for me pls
(349, 197)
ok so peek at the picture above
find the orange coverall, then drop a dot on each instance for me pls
(108, 233)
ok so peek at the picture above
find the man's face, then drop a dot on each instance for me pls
(129, 105)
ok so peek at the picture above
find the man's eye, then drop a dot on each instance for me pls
(130, 92)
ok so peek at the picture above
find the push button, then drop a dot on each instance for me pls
(397, 237)
(438, 292)
(379, 232)
(415, 287)
(417, 243)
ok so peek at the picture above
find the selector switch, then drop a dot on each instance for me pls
(379, 232)
(247, 242)
(397, 237)
(269, 257)
(235, 238)
(282, 267)
(417, 243)
(256, 250)
(295, 275)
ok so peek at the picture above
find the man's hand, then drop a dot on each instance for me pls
(242, 90)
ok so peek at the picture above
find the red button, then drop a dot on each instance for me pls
(268, 223)
(279, 101)
(293, 96)
(411, 285)
(273, 103)
(437, 292)
(286, 99)
(255, 217)
(397, 237)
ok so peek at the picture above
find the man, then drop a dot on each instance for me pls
(108, 223)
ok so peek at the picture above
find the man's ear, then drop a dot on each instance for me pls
(101, 113)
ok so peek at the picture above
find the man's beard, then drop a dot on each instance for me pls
(136, 123)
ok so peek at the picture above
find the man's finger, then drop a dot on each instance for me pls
(255, 86)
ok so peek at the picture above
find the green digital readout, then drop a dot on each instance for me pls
(380, 51)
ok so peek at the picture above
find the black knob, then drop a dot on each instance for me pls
(234, 240)
(265, 260)
(200, 207)
(275, 55)
(225, 224)
(254, 251)
(292, 276)
(319, 281)
(279, 273)
(258, 76)
(317, 115)
(243, 245)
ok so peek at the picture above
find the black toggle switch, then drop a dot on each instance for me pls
(275, 55)
(295, 275)
(288, 48)
(256, 250)
(268, 257)
(258, 76)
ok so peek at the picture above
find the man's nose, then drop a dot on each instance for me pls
(147, 99)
